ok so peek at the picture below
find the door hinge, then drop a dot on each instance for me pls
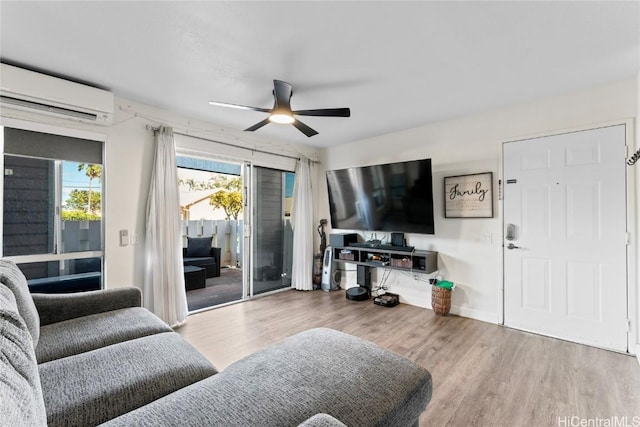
(627, 238)
(628, 325)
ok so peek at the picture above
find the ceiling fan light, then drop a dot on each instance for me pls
(281, 118)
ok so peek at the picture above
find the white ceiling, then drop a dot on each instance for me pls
(397, 65)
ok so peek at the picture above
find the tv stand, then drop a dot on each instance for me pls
(382, 247)
(386, 256)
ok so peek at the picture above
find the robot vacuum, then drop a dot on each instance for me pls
(359, 293)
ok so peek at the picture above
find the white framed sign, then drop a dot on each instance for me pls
(469, 196)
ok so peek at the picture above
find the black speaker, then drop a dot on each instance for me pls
(342, 240)
(364, 277)
(397, 239)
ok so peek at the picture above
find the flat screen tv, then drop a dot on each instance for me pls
(390, 197)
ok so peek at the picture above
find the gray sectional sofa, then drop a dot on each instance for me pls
(98, 357)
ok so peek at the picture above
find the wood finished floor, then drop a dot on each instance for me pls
(483, 374)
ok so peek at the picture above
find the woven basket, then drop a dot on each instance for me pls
(440, 300)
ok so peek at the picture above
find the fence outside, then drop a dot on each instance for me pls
(85, 236)
(80, 236)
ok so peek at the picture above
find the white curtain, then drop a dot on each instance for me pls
(164, 291)
(303, 228)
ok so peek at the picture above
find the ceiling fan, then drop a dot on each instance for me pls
(282, 113)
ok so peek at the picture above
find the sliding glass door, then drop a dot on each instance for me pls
(272, 232)
(246, 211)
(212, 206)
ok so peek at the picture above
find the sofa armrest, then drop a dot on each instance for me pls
(53, 308)
(322, 420)
(216, 254)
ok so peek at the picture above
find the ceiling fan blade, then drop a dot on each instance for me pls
(258, 125)
(325, 112)
(239, 107)
(304, 128)
(282, 92)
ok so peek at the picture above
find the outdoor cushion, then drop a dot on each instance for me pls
(13, 278)
(199, 260)
(199, 246)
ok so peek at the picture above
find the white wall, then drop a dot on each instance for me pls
(636, 208)
(470, 250)
(129, 153)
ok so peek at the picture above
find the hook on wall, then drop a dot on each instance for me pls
(636, 156)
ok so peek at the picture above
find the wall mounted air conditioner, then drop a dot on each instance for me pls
(26, 90)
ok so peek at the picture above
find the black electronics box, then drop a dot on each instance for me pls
(387, 300)
(342, 240)
(364, 276)
(397, 239)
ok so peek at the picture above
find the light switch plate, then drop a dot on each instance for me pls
(124, 237)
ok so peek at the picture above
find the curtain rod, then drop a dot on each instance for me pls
(255, 150)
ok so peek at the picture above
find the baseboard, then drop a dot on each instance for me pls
(415, 300)
(418, 300)
(483, 316)
(638, 353)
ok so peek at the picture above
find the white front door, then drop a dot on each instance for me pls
(565, 269)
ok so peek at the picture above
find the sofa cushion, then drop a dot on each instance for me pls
(13, 278)
(317, 371)
(21, 401)
(93, 387)
(199, 246)
(87, 333)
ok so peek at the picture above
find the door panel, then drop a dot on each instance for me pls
(535, 212)
(565, 275)
(535, 284)
(536, 160)
(584, 289)
(583, 211)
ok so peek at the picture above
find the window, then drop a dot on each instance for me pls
(52, 209)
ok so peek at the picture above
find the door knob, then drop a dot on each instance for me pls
(512, 246)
